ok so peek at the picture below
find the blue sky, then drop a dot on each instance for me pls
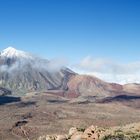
(74, 29)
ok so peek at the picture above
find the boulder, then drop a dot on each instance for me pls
(72, 131)
(62, 137)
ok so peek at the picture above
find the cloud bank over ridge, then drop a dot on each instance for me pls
(109, 70)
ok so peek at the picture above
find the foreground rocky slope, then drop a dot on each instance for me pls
(128, 132)
(38, 114)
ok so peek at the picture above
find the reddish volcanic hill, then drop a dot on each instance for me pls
(84, 85)
(91, 89)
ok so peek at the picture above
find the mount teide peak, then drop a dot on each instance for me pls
(23, 72)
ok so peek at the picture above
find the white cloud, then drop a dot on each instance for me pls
(22, 64)
(109, 70)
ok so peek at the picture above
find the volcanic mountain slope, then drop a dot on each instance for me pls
(133, 88)
(23, 72)
(91, 89)
(91, 86)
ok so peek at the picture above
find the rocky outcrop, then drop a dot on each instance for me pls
(129, 132)
(55, 137)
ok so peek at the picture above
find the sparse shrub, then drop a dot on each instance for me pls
(135, 137)
(81, 129)
(115, 137)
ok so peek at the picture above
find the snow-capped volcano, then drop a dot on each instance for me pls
(22, 71)
(11, 52)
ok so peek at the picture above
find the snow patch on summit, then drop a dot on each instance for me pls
(11, 52)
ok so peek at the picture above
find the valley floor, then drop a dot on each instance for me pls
(35, 116)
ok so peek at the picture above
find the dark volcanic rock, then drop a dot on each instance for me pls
(4, 92)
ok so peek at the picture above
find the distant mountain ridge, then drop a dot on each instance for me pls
(22, 72)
